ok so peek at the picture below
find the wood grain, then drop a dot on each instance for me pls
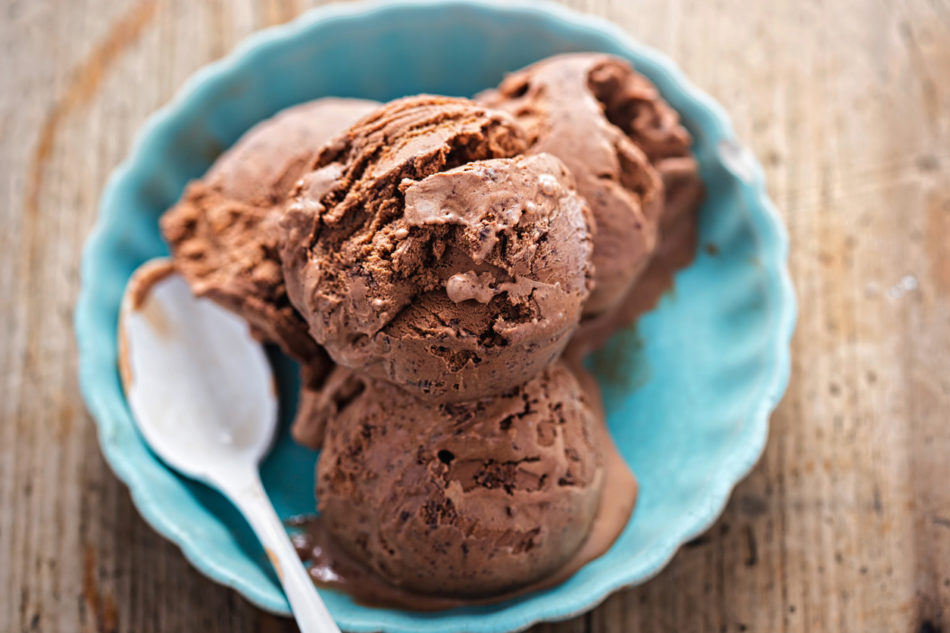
(845, 523)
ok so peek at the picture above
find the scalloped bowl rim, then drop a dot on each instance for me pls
(767, 225)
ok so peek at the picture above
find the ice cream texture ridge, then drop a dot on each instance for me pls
(439, 266)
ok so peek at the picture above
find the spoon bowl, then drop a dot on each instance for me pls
(203, 396)
(200, 388)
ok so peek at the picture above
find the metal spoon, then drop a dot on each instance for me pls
(203, 395)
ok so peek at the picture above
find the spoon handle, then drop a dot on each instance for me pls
(247, 493)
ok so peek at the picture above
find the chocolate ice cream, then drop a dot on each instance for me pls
(324, 395)
(223, 232)
(443, 251)
(422, 253)
(632, 103)
(561, 103)
(466, 499)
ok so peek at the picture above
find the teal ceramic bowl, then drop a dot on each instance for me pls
(690, 389)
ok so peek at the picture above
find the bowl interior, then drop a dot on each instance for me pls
(687, 389)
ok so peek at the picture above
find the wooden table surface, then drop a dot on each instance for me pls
(844, 525)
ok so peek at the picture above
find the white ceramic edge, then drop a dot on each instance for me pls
(773, 231)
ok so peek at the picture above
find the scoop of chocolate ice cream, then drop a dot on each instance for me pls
(223, 232)
(632, 103)
(466, 499)
(420, 252)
